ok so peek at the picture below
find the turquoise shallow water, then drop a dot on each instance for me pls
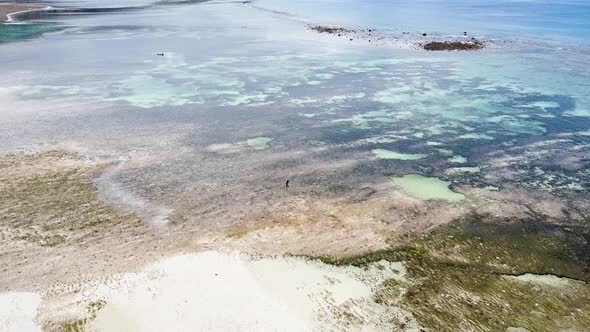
(16, 32)
(233, 73)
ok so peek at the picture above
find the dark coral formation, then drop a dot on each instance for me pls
(462, 274)
(329, 30)
(473, 45)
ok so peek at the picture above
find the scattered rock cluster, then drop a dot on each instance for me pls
(330, 30)
(413, 40)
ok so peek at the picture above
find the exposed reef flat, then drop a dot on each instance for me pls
(330, 30)
(140, 225)
(49, 199)
(404, 39)
(491, 274)
(51, 214)
(392, 236)
(472, 45)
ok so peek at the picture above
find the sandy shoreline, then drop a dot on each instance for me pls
(289, 293)
(7, 9)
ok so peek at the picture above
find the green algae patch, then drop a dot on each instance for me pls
(476, 136)
(82, 324)
(462, 276)
(451, 298)
(445, 152)
(461, 170)
(388, 154)
(259, 143)
(482, 273)
(427, 188)
(49, 199)
(457, 160)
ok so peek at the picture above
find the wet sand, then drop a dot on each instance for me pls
(7, 9)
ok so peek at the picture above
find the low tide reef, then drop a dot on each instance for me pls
(49, 199)
(472, 45)
(485, 273)
(406, 39)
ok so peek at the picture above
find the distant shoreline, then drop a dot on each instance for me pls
(6, 10)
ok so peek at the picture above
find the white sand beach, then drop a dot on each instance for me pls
(213, 291)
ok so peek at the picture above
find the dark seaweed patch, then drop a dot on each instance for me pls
(566, 103)
(457, 274)
(473, 45)
(343, 134)
(564, 124)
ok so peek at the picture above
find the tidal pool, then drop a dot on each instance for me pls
(388, 154)
(459, 170)
(457, 160)
(427, 188)
(259, 143)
